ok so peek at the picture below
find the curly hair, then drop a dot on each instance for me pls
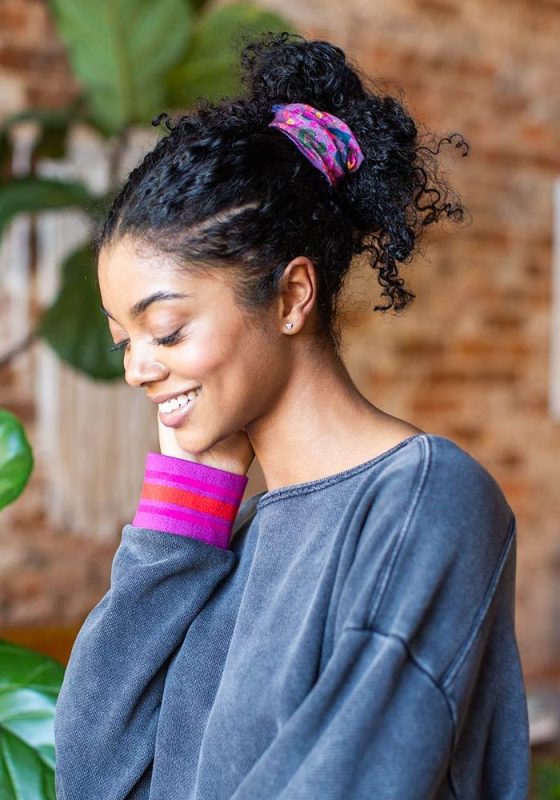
(223, 189)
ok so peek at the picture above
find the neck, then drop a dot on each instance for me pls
(319, 425)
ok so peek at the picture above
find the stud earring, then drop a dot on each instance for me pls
(289, 325)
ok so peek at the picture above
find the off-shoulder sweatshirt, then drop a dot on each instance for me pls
(346, 638)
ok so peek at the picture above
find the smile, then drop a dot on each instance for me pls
(173, 412)
(177, 402)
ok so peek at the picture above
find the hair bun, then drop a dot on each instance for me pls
(286, 68)
(223, 189)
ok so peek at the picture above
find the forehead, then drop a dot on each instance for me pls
(129, 271)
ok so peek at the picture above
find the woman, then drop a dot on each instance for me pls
(348, 633)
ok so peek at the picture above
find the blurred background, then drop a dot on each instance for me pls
(476, 358)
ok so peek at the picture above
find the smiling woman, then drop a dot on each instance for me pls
(180, 333)
(349, 632)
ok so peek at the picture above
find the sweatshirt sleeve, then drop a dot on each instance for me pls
(168, 563)
(374, 725)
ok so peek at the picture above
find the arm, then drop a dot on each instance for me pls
(165, 569)
(375, 726)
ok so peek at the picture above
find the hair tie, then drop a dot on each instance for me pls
(324, 139)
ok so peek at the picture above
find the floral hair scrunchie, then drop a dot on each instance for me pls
(325, 140)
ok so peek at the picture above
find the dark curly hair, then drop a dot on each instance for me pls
(221, 188)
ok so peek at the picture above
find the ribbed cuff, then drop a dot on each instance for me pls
(189, 499)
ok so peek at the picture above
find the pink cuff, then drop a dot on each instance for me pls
(189, 499)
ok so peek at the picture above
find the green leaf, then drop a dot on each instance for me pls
(41, 194)
(29, 686)
(545, 774)
(74, 325)
(16, 459)
(211, 67)
(120, 51)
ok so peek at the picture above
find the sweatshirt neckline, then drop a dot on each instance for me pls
(318, 483)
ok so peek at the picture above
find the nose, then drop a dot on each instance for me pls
(141, 367)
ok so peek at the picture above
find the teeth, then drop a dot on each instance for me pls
(177, 402)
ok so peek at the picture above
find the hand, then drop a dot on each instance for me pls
(234, 453)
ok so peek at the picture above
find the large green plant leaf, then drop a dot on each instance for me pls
(16, 458)
(41, 194)
(211, 65)
(29, 686)
(120, 50)
(74, 325)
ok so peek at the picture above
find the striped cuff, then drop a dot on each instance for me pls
(189, 499)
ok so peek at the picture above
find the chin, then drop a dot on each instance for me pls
(192, 442)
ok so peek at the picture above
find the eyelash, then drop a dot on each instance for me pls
(166, 340)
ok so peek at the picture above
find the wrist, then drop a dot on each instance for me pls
(189, 498)
(229, 467)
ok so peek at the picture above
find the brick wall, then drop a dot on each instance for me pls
(33, 66)
(469, 360)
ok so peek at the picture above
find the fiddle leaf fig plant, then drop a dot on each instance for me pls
(76, 308)
(121, 50)
(16, 458)
(29, 682)
(133, 59)
(210, 66)
(29, 686)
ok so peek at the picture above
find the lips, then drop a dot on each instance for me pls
(173, 419)
(162, 398)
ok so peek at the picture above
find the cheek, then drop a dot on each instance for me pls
(205, 353)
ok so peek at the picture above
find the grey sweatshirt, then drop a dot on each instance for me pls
(347, 638)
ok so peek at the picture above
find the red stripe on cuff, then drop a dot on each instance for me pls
(204, 509)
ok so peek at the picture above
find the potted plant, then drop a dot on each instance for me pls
(29, 681)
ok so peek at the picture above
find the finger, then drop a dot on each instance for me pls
(168, 441)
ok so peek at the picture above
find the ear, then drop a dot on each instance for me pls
(298, 293)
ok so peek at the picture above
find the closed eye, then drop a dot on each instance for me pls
(165, 340)
(171, 339)
(118, 345)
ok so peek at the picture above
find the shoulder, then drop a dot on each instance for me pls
(455, 513)
(424, 569)
(458, 519)
(452, 484)
(443, 487)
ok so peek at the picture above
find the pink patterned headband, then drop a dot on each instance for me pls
(323, 138)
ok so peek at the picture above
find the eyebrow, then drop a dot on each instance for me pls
(139, 307)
